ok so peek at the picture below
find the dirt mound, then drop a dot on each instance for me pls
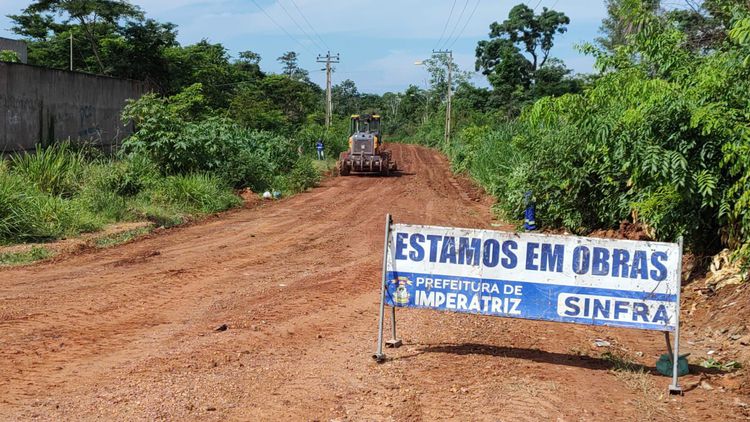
(627, 230)
(250, 198)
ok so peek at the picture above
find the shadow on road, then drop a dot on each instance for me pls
(397, 173)
(536, 355)
(541, 356)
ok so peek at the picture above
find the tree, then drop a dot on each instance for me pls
(345, 97)
(392, 105)
(276, 103)
(619, 23)
(249, 64)
(515, 57)
(96, 20)
(291, 68)
(204, 63)
(437, 67)
(139, 52)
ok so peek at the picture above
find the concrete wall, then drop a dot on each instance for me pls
(15, 45)
(41, 105)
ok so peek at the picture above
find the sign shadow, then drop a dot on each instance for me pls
(535, 355)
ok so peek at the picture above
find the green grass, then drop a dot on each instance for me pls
(38, 205)
(120, 238)
(323, 166)
(56, 170)
(621, 362)
(22, 258)
(61, 192)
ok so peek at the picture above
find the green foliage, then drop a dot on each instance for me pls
(660, 138)
(93, 23)
(206, 64)
(28, 214)
(36, 253)
(9, 56)
(56, 170)
(291, 69)
(57, 192)
(303, 176)
(275, 103)
(213, 144)
(202, 193)
(335, 138)
(516, 58)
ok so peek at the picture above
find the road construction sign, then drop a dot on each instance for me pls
(534, 276)
(582, 280)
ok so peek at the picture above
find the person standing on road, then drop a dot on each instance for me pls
(319, 146)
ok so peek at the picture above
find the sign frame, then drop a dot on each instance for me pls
(379, 356)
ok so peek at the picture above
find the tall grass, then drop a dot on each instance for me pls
(56, 193)
(202, 193)
(28, 214)
(56, 170)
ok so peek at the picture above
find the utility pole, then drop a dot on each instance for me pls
(447, 137)
(328, 60)
(71, 51)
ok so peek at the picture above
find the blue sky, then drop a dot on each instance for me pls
(378, 40)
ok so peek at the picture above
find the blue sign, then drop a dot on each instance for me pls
(534, 276)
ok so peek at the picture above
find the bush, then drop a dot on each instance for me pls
(303, 176)
(216, 145)
(196, 192)
(129, 176)
(661, 140)
(56, 169)
(27, 214)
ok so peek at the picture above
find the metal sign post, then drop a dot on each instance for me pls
(379, 356)
(675, 388)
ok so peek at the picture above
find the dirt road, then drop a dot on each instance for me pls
(129, 333)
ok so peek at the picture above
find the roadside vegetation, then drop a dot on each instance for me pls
(36, 253)
(212, 126)
(659, 137)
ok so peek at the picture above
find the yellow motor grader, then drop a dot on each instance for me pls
(366, 153)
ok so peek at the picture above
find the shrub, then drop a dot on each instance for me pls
(56, 169)
(304, 175)
(214, 145)
(27, 214)
(199, 192)
(129, 176)
(9, 56)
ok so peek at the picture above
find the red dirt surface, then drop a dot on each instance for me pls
(129, 333)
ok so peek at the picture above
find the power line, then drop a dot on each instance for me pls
(466, 24)
(310, 25)
(537, 5)
(281, 27)
(445, 28)
(298, 25)
(460, 15)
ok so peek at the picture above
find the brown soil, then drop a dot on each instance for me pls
(130, 333)
(78, 244)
